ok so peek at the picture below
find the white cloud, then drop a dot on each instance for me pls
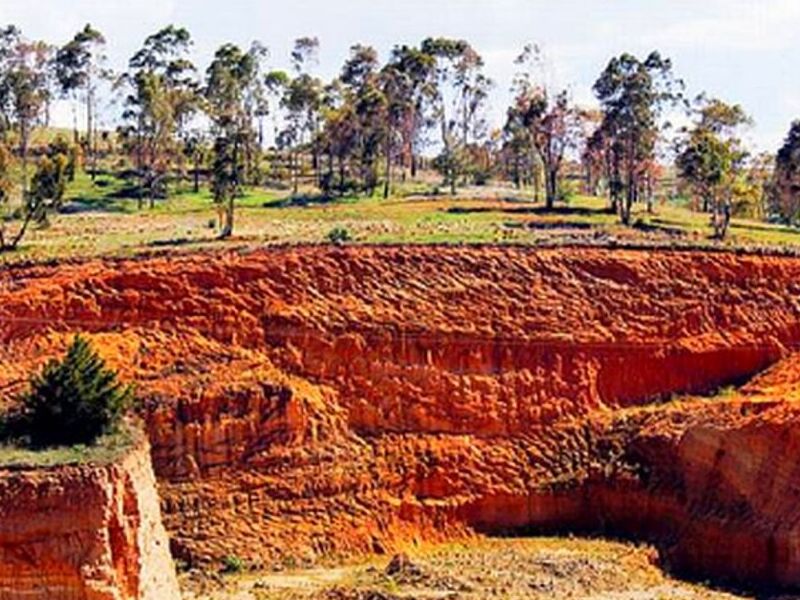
(732, 24)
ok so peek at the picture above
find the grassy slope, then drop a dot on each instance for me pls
(101, 222)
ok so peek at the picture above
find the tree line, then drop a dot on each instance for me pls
(374, 123)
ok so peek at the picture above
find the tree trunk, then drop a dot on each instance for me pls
(227, 229)
(12, 245)
(196, 173)
(330, 182)
(76, 138)
(552, 188)
(90, 131)
(388, 184)
(630, 198)
(341, 176)
(23, 141)
(295, 174)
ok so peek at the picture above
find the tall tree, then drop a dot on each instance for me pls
(410, 75)
(80, 65)
(25, 88)
(162, 97)
(302, 102)
(363, 91)
(460, 92)
(785, 196)
(229, 78)
(275, 83)
(711, 158)
(633, 94)
(549, 118)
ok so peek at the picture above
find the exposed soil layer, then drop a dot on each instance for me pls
(86, 532)
(314, 402)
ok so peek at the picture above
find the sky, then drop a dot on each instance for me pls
(741, 51)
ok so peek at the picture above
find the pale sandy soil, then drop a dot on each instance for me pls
(540, 568)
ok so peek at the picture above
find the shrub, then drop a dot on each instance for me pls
(72, 401)
(339, 235)
(232, 564)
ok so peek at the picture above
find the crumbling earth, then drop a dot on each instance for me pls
(308, 403)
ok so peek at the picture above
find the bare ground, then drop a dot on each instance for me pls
(487, 569)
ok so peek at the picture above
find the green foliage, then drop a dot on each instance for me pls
(75, 62)
(711, 158)
(785, 200)
(339, 235)
(72, 401)
(49, 184)
(236, 96)
(632, 94)
(161, 100)
(232, 564)
(60, 146)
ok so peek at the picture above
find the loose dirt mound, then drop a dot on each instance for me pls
(308, 402)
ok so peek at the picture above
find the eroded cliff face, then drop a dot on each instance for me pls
(89, 532)
(314, 401)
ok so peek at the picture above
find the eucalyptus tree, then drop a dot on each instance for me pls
(302, 102)
(340, 137)
(393, 85)
(25, 90)
(544, 118)
(411, 87)
(230, 79)
(162, 98)
(711, 158)
(80, 66)
(785, 192)
(633, 95)
(406, 81)
(459, 92)
(363, 90)
(275, 84)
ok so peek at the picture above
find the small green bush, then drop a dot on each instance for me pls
(232, 564)
(72, 401)
(339, 235)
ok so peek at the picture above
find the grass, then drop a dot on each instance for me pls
(108, 449)
(103, 219)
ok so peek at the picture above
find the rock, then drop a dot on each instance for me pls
(401, 567)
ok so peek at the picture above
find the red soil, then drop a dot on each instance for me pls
(317, 401)
(92, 532)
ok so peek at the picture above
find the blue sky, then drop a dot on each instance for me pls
(744, 51)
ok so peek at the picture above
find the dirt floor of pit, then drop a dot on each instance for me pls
(493, 569)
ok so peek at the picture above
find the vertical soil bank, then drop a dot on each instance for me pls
(84, 533)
